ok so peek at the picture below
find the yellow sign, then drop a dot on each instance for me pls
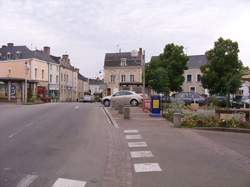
(156, 104)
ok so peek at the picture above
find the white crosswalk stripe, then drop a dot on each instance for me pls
(141, 154)
(147, 167)
(61, 182)
(27, 180)
(135, 137)
(131, 131)
(137, 144)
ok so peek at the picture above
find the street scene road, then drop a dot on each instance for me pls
(39, 144)
(75, 144)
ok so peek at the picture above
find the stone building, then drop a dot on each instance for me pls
(68, 79)
(83, 86)
(193, 74)
(124, 70)
(97, 86)
(18, 65)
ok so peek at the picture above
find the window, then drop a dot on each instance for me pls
(8, 56)
(192, 89)
(112, 78)
(35, 73)
(198, 78)
(50, 66)
(132, 78)
(61, 77)
(50, 78)
(42, 74)
(57, 79)
(189, 78)
(18, 55)
(123, 62)
(123, 78)
(9, 71)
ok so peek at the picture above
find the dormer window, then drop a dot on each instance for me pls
(18, 55)
(8, 56)
(123, 62)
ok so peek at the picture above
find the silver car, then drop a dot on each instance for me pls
(122, 97)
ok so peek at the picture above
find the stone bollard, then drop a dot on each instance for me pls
(120, 109)
(126, 113)
(177, 119)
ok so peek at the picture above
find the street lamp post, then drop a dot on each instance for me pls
(26, 82)
(143, 89)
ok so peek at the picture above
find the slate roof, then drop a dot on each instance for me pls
(114, 59)
(194, 61)
(81, 77)
(43, 56)
(25, 53)
(96, 82)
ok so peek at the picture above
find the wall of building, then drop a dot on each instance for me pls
(13, 68)
(194, 83)
(54, 71)
(118, 71)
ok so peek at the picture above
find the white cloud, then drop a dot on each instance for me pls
(86, 29)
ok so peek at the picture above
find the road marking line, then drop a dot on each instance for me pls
(131, 131)
(133, 137)
(61, 182)
(137, 144)
(27, 180)
(76, 107)
(147, 167)
(141, 154)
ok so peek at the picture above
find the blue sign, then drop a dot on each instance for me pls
(155, 106)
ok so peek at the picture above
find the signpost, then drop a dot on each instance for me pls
(155, 106)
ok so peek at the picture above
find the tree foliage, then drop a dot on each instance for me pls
(165, 72)
(222, 74)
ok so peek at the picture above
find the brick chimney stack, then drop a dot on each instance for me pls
(10, 44)
(46, 50)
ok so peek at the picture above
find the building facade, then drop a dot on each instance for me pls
(193, 74)
(68, 80)
(124, 71)
(97, 86)
(83, 86)
(23, 73)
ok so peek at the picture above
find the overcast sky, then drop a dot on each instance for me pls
(87, 29)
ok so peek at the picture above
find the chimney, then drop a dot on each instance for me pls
(46, 50)
(140, 52)
(65, 57)
(10, 44)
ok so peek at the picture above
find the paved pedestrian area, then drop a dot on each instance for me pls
(163, 156)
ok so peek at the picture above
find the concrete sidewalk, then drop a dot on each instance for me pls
(166, 156)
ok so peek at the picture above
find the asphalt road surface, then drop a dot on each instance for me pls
(75, 145)
(64, 144)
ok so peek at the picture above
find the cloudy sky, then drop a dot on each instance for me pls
(87, 29)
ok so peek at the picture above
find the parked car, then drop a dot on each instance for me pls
(218, 100)
(240, 102)
(122, 97)
(87, 98)
(188, 98)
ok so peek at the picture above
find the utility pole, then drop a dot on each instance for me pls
(143, 75)
(26, 82)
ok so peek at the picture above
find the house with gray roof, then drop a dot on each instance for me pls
(123, 71)
(193, 74)
(20, 65)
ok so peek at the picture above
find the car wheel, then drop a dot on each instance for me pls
(106, 103)
(134, 102)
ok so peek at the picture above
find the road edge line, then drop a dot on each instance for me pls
(111, 119)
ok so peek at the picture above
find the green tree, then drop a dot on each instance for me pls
(165, 72)
(222, 75)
